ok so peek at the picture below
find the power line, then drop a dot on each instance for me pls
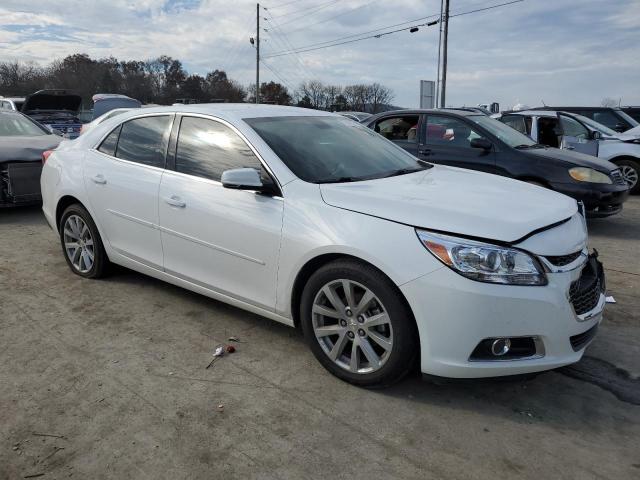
(429, 24)
(332, 17)
(363, 33)
(332, 43)
(284, 40)
(302, 9)
(311, 11)
(285, 4)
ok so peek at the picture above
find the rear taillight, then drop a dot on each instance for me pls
(45, 155)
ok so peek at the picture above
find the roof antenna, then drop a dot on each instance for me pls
(619, 102)
(543, 104)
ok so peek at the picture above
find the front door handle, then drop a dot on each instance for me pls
(175, 201)
(570, 148)
(99, 179)
(425, 151)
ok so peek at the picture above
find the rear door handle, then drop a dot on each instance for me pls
(570, 148)
(425, 151)
(99, 179)
(175, 201)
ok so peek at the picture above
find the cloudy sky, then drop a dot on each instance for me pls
(559, 52)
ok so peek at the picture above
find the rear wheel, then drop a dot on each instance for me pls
(357, 324)
(630, 170)
(81, 243)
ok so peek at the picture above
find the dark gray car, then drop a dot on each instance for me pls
(22, 143)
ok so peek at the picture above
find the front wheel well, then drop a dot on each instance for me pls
(63, 203)
(312, 266)
(624, 157)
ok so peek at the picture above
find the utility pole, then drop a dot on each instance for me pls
(445, 35)
(439, 51)
(257, 53)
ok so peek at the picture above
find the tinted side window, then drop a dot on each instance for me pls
(207, 148)
(606, 118)
(144, 140)
(110, 143)
(515, 121)
(449, 131)
(399, 128)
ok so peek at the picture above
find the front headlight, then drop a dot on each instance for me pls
(584, 174)
(484, 262)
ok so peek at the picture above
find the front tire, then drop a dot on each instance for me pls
(81, 243)
(630, 170)
(358, 325)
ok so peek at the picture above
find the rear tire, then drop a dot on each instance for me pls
(81, 243)
(358, 325)
(630, 170)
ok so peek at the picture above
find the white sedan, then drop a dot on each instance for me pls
(384, 261)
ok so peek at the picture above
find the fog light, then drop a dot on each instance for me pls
(500, 346)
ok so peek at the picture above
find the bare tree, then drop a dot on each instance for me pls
(608, 102)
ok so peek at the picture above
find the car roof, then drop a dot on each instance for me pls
(417, 111)
(231, 111)
(537, 113)
(568, 108)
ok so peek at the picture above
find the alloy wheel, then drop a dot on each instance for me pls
(78, 244)
(630, 175)
(352, 326)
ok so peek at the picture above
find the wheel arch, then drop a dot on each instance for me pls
(619, 158)
(313, 264)
(62, 205)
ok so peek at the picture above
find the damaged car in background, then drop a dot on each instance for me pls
(308, 218)
(56, 109)
(22, 144)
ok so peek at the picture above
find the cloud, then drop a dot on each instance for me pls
(574, 51)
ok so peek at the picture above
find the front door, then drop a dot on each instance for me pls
(575, 136)
(122, 177)
(223, 239)
(446, 140)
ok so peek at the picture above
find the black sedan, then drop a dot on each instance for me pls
(22, 143)
(471, 140)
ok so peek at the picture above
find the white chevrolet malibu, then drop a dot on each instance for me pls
(310, 219)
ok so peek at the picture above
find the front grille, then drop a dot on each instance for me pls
(562, 260)
(585, 292)
(578, 342)
(617, 177)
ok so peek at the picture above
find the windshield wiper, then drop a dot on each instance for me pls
(340, 180)
(404, 171)
(524, 146)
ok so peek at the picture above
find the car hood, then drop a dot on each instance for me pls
(26, 148)
(52, 100)
(573, 158)
(634, 132)
(457, 201)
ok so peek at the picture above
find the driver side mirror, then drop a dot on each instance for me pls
(482, 143)
(242, 179)
(620, 127)
(596, 135)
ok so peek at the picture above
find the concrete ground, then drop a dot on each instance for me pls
(106, 379)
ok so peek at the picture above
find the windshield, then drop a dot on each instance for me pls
(596, 126)
(333, 149)
(16, 125)
(632, 121)
(508, 135)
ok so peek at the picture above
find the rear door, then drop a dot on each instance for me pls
(401, 130)
(122, 177)
(446, 140)
(224, 239)
(576, 136)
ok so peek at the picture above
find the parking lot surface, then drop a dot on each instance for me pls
(107, 379)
